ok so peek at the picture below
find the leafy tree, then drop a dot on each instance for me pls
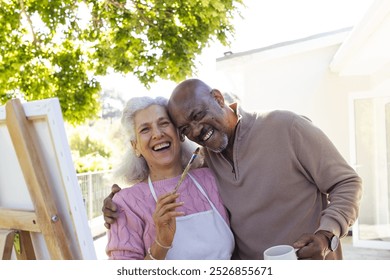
(93, 144)
(57, 47)
(86, 146)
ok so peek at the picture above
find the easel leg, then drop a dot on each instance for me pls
(20, 241)
(6, 243)
(26, 251)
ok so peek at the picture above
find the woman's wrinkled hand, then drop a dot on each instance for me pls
(164, 218)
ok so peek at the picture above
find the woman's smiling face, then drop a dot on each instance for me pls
(157, 139)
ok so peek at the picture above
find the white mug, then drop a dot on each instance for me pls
(280, 252)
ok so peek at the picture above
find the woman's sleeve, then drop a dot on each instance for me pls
(125, 240)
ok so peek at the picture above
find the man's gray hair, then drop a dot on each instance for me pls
(133, 169)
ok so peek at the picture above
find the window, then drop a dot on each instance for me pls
(372, 156)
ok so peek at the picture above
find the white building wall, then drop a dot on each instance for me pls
(352, 110)
(296, 77)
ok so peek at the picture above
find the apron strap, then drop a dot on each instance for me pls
(212, 204)
(152, 189)
(202, 192)
(196, 184)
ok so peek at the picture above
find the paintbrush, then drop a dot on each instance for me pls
(184, 174)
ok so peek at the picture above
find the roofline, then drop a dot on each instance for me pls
(283, 44)
(376, 14)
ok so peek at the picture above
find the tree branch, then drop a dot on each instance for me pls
(122, 7)
(29, 21)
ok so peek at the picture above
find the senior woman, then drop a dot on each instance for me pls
(154, 222)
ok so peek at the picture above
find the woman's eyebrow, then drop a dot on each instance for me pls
(159, 119)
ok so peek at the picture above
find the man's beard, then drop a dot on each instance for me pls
(222, 147)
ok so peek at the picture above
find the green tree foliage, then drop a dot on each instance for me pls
(93, 144)
(58, 47)
(88, 146)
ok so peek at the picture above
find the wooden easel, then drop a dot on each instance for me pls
(16, 225)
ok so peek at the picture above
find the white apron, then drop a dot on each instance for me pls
(202, 235)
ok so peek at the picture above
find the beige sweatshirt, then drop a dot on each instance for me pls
(287, 179)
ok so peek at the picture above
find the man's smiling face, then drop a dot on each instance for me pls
(201, 118)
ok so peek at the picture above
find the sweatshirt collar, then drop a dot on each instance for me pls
(235, 108)
(245, 120)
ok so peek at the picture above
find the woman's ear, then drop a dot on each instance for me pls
(134, 145)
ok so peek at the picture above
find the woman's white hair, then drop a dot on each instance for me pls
(133, 169)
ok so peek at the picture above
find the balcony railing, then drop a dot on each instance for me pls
(95, 186)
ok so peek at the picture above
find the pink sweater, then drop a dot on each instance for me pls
(134, 231)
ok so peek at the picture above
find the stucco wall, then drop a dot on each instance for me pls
(295, 77)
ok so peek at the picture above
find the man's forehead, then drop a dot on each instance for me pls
(183, 104)
(178, 106)
(180, 113)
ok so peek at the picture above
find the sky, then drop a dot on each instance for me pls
(268, 22)
(263, 23)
